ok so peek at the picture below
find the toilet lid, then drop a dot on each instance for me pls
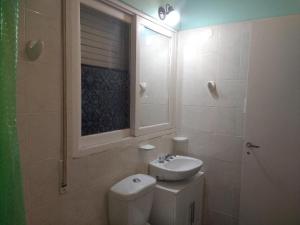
(132, 187)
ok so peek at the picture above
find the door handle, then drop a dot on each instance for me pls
(250, 145)
(192, 213)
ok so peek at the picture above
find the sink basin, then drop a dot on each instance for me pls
(175, 168)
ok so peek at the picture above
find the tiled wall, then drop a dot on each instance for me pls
(214, 123)
(39, 109)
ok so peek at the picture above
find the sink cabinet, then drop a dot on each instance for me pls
(178, 203)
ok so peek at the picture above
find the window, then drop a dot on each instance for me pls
(105, 79)
(120, 75)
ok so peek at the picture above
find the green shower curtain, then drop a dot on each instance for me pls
(11, 197)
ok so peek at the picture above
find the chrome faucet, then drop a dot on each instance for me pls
(161, 159)
(167, 157)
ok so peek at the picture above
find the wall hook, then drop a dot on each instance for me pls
(143, 87)
(212, 87)
(34, 49)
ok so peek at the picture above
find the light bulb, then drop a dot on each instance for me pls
(173, 18)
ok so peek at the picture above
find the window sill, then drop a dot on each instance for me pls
(122, 143)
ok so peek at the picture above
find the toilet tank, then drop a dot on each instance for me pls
(130, 200)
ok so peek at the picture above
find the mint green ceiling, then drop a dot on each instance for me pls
(199, 13)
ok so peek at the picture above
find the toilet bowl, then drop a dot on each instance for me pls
(130, 200)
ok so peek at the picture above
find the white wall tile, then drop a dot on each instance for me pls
(200, 142)
(199, 118)
(43, 89)
(43, 183)
(78, 176)
(221, 199)
(230, 64)
(44, 136)
(51, 8)
(232, 93)
(245, 50)
(201, 65)
(201, 40)
(207, 65)
(222, 174)
(229, 121)
(226, 148)
(47, 214)
(196, 93)
(219, 147)
(77, 208)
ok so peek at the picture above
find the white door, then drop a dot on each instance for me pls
(270, 189)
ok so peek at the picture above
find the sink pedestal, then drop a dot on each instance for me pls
(178, 203)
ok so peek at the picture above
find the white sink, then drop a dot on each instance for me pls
(174, 168)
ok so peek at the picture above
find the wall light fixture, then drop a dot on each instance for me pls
(169, 14)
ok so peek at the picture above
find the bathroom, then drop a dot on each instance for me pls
(216, 81)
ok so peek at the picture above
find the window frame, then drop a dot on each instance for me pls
(84, 145)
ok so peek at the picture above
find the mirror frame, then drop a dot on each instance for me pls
(143, 130)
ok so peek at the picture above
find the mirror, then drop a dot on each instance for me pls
(154, 72)
(154, 77)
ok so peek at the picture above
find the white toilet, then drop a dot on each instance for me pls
(130, 200)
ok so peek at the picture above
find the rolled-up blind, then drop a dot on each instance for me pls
(104, 40)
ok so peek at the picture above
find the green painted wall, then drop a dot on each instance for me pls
(199, 13)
